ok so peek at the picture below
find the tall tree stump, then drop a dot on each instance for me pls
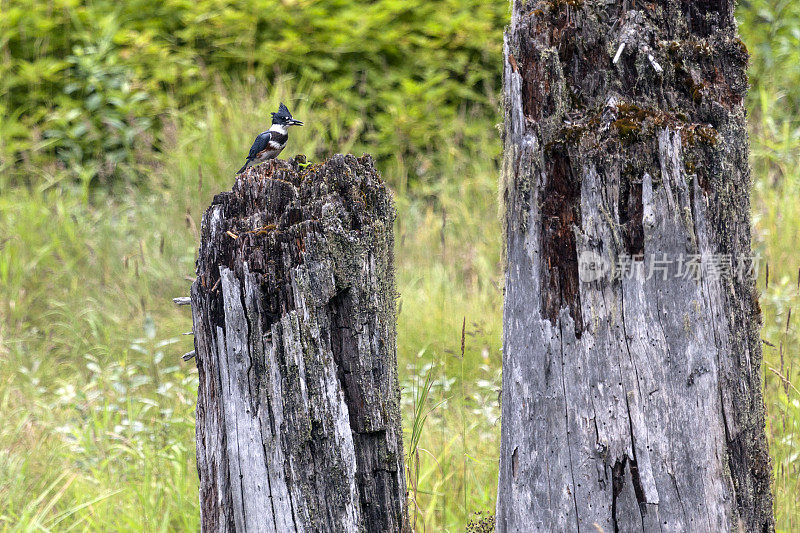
(298, 421)
(631, 399)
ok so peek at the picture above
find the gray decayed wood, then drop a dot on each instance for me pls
(298, 422)
(628, 404)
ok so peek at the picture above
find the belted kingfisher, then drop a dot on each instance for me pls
(271, 142)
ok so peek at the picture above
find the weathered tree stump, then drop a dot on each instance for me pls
(631, 402)
(298, 421)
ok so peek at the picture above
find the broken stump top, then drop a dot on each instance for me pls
(277, 210)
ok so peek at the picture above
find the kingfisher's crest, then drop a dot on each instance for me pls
(283, 113)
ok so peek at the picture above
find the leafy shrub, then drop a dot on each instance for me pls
(100, 116)
(771, 30)
(89, 81)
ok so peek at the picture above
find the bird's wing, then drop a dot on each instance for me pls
(260, 144)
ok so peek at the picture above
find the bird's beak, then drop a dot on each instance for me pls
(296, 122)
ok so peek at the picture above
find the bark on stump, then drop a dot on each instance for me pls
(629, 404)
(298, 421)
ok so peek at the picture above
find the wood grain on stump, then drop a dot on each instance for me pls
(631, 399)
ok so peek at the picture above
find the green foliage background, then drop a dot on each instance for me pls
(92, 83)
(119, 121)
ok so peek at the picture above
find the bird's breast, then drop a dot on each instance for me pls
(271, 152)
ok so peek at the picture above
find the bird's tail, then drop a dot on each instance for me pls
(243, 168)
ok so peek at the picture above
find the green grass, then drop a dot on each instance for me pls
(776, 217)
(97, 409)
